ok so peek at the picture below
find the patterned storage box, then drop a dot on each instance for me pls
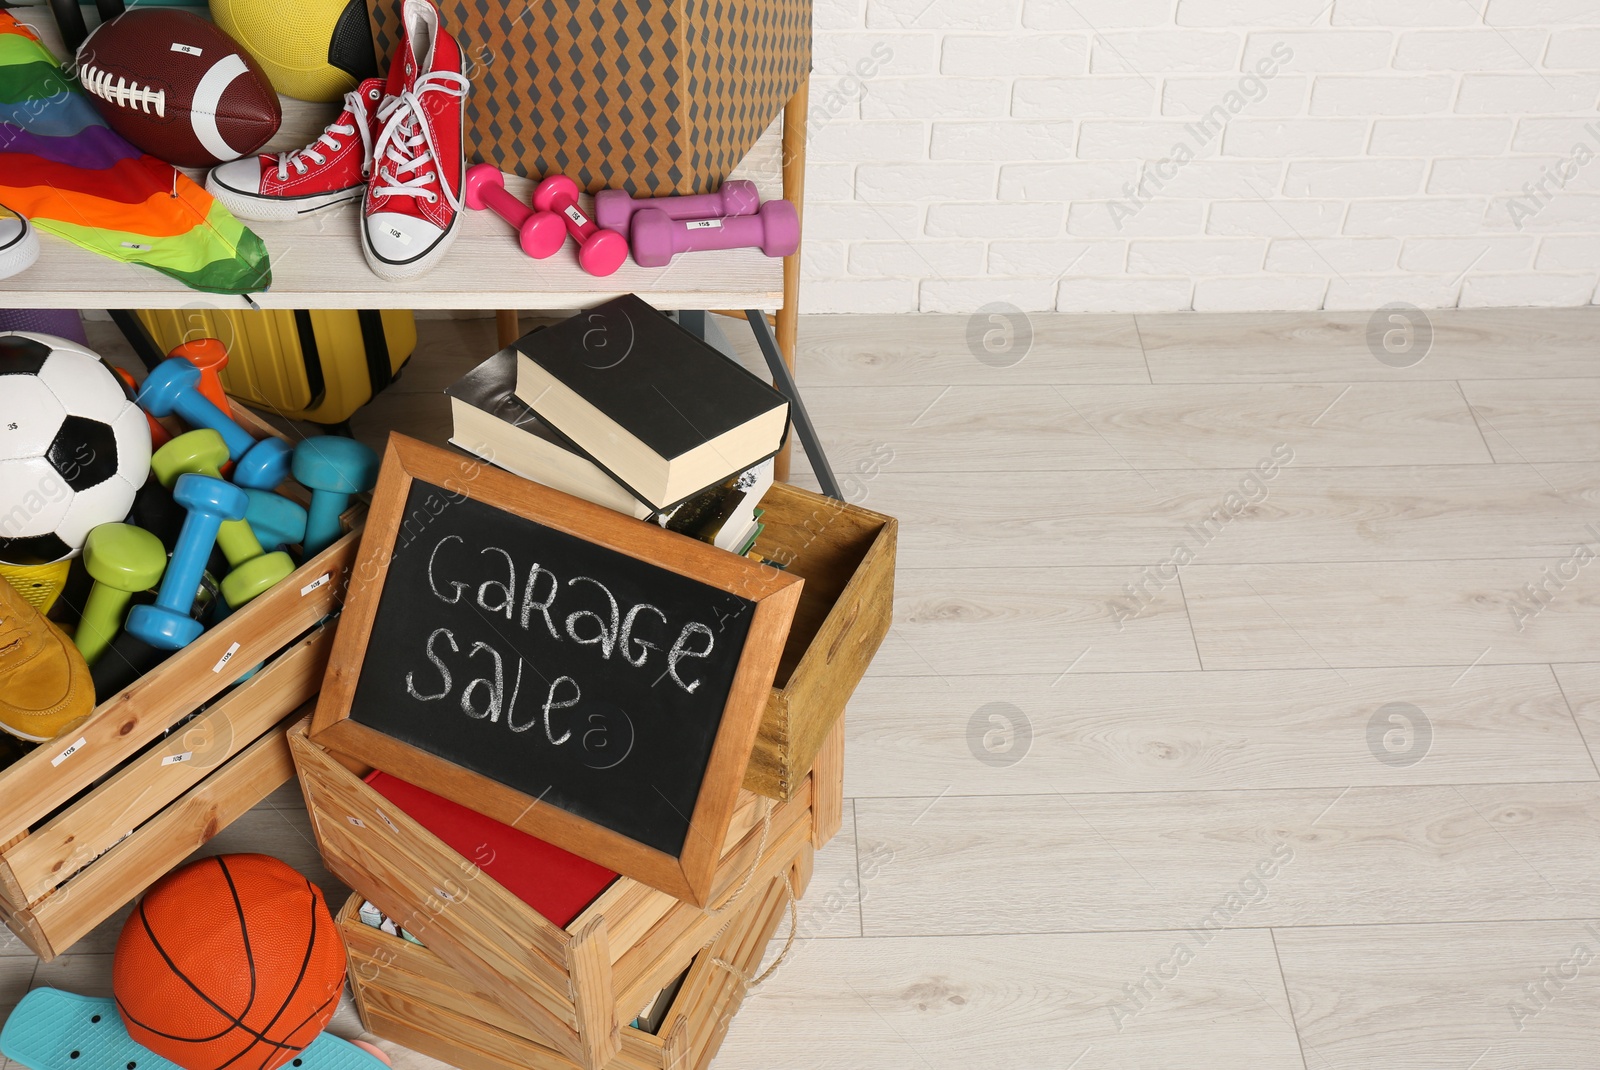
(654, 96)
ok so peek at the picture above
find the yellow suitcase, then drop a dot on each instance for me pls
(319, 366)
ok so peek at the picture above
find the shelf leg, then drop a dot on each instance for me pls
(506, 326)
(794, 190)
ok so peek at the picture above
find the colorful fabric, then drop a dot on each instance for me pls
(76, 178)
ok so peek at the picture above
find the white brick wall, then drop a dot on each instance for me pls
(1152, 155)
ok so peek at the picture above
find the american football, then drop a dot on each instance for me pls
(178, 87)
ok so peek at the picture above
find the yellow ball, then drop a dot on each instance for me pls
(311, 49)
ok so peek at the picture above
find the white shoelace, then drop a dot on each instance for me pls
(406, 142)
(355, 103)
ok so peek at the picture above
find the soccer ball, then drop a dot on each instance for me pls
(74, 448)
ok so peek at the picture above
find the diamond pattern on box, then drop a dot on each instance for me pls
(655, 96)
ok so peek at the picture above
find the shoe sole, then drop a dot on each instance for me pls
(63, 730)
(258, 208)
(21, 253)
(392, 271)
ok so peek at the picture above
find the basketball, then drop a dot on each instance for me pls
(231, 961)
(311, 50)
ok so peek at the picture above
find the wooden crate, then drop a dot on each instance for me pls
(846, 555)
(66, 868)
(573, 985)
(408, 994)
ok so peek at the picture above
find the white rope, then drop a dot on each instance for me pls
(788, 945)
(761, 849)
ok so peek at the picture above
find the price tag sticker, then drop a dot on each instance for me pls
(702, 224)
(177, 759)
(227, 656)
(574, 213)
(70, 751)
(356, 821)
(385, 819)
(321, 581)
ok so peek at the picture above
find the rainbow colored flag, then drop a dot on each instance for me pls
(76, 178)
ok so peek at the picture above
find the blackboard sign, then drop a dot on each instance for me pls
(586, 677)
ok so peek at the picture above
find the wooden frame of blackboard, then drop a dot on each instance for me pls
(774, 594)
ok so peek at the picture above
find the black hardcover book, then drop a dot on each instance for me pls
(662, 411)
(493, 423)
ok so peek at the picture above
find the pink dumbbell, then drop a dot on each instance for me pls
(614, 208)
(540, 233)
(600, 252)
(657, 237)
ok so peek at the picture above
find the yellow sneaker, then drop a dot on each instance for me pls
(45, 688)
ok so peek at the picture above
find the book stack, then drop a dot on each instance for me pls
(622, 407)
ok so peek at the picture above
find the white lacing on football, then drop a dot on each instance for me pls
(122, 92)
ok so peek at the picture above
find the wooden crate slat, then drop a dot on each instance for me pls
(406, 994)
(428, 1029)
(133, 865)
(827, 785)
(656, 959)
(141, 711)
(589, 966)
(90, 827)
(535, 1002)
(399, 873)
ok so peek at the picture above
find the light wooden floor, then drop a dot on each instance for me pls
(1317, 799)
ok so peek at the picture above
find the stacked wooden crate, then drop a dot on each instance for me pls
(496, 985)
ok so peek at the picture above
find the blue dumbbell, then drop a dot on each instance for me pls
(167, 624)
(276, 520)
(174, 387)
(265, 465)
(333, 469)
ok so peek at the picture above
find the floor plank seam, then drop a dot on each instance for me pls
(1189, 617)
(855, 838)
(1418, 786)
(1288, 999)
(1574, 715)
(1144, 355)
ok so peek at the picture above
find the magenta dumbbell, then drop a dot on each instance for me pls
(657, 237)
(614, 208)
(539, 233)
(600, 251)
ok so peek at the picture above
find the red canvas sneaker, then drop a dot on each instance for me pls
(331, 170)
(414, 198)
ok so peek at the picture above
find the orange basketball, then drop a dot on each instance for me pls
(231, 961)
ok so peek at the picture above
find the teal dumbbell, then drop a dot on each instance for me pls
(334, 470)
(277, 521)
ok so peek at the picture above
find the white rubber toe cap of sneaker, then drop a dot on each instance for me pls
(19, 245)
(398, 238)
(243, 176)
(12, 228)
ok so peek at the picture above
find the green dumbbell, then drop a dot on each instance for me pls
(254, 570)
(123, 560)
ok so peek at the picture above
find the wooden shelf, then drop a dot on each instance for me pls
(318, 263)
